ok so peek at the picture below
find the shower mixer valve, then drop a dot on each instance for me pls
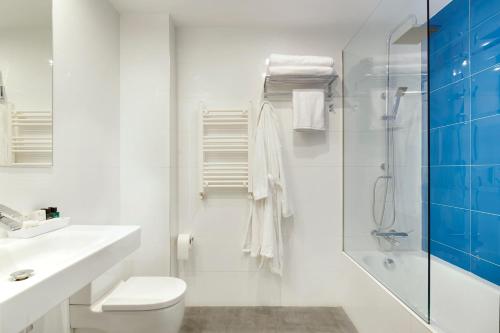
(392, 236)
(390, 233)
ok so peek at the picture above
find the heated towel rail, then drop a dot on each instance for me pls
(224, 149)
(30, 142)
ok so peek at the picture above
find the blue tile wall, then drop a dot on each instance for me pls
(481, 10)
(451, 145)
(451, 104)
(485, 232)
(450, 24)
(485, 270)
(464, 134)
(486, 189)
(451, 226)
(451, 63)
(450, 186)
(486, 140)
(485, 44)
(484, 98)
(451, 255)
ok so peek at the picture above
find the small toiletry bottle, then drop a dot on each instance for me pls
(47, 211)
(53, 212)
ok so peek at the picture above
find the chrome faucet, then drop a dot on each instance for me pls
(10, 218)
(390, 236)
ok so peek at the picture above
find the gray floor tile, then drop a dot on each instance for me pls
(266, 320)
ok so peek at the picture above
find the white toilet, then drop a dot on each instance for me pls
(140, 304)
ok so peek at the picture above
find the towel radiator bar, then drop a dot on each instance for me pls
(30, 142)
(224, 149)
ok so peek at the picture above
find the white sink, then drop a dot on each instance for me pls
(64, 261)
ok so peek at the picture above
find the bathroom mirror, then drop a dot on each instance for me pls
(25, 82)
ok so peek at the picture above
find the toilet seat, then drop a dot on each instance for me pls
(145, 293)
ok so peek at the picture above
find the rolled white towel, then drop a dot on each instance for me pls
(295, 60)
(300, 70)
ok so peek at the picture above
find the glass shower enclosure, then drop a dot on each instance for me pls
(386, 150)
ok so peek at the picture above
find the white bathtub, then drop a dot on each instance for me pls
(460, 302)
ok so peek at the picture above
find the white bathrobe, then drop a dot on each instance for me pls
(270, 203)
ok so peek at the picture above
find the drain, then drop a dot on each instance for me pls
(389, 263)
(22, 275)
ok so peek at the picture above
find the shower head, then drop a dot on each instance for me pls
(415, 34)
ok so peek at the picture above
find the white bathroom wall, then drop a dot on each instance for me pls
(174, 166)
(145, 140)
(223, 67)
(84, 181)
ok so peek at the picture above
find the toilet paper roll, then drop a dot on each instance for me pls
(184, 243)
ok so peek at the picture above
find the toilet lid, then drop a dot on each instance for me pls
(145, 293)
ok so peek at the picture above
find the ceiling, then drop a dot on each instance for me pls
(256, 13)
(235, 13)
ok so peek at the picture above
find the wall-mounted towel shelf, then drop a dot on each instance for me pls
(224, 149)
(280, 87)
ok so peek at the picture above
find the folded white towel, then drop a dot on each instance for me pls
(300, 70)
(309, 109)
(294, 60)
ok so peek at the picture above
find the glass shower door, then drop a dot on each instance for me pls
(385, 150)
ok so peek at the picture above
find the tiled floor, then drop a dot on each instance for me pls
(266, 320)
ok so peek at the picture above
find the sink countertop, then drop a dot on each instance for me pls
(64, 261)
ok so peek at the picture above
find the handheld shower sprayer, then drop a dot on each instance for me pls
(399, 93)
(395, 108)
